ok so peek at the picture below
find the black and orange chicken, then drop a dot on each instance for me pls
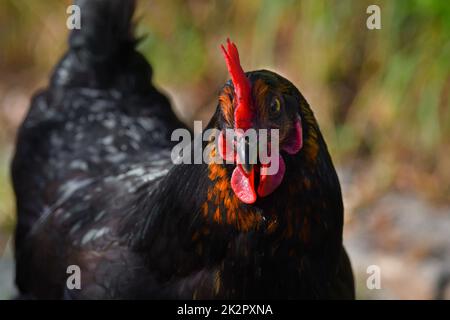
(96, 187)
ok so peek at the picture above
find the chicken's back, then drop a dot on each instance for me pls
(99, 119)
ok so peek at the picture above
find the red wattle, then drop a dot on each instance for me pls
(243, 186)
(268, 183)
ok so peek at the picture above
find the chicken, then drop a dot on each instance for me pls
(97, 188)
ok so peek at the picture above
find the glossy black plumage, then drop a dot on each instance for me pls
(96, 187)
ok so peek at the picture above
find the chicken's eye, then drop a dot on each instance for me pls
(275, 108)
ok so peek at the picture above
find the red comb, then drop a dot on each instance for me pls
(243, 114)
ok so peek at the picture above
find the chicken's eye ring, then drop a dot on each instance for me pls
(275, 108)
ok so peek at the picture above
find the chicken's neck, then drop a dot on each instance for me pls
(296, 230)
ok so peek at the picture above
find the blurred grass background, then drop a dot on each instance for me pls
(380, 96)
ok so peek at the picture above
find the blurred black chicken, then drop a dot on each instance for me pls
(96, 186)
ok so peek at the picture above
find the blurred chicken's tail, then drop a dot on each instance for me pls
(102, 50)
(105, 30)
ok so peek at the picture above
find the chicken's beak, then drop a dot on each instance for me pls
(247, 153)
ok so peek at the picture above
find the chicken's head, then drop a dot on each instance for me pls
(259, 102)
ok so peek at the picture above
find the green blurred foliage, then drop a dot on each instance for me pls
(381, 96)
